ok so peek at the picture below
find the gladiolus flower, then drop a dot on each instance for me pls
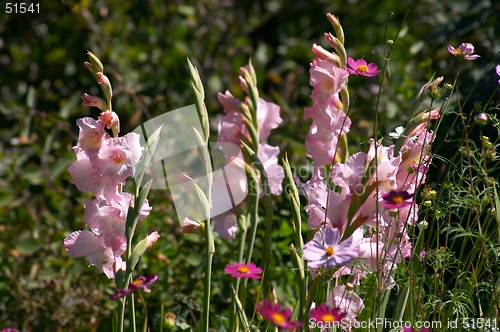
(140, 283)
(240, 270)
(360, 67)
(463, 52)
(278, 317)
(397, 199)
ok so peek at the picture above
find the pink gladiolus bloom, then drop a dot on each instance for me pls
(326, 79)
(498, 72)
(326, 314)
(463, 52)
(118, 157)
(397, 199)
(240, 270)
(88, 244)
(91, 135)
(324, 250)
(225, 225)
(360, 67)
(277, 317)
(140, 283)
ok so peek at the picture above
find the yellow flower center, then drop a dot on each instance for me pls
(278, 318)
(362, 68)
(328, 318)
(137, 282)
(397, 199)
(243, 269)
(457, 51)
(329, 251)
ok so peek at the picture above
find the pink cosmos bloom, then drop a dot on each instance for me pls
(498, 72)
(360, 67)
(274, 314)
(140, 283)
(326, 314)
(463, 52)
(240, 270)
(9, 329)
(397, 199)
(108, 118)
(88, 244)
(325, 250)
(118, 157)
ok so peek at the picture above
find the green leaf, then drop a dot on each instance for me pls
(28, 247)
(138, 251)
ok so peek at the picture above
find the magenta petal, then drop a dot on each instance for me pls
(351, 63)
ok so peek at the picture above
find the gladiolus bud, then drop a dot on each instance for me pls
(482, 119)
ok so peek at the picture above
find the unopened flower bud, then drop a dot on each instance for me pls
(390, 41)
(427, 203)
(491, 154)
(482, 119)
(428, 193)
(170, 320)
(434, 89)
(448, 86)
(95, 61)
(88, 100)
(423, 224)
(108, 118)
(323, 54)
(491, 181)
(105, 86)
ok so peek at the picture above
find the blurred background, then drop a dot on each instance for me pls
(143, 46)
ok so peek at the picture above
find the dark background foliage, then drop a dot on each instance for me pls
(143, 46)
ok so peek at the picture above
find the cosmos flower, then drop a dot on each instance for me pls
(139, 283)
(326, 314)
(240, 270)
(463, 52)
(360, 67)
(277, 317)
(397, 199)
(324, 250)
(498, 72)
